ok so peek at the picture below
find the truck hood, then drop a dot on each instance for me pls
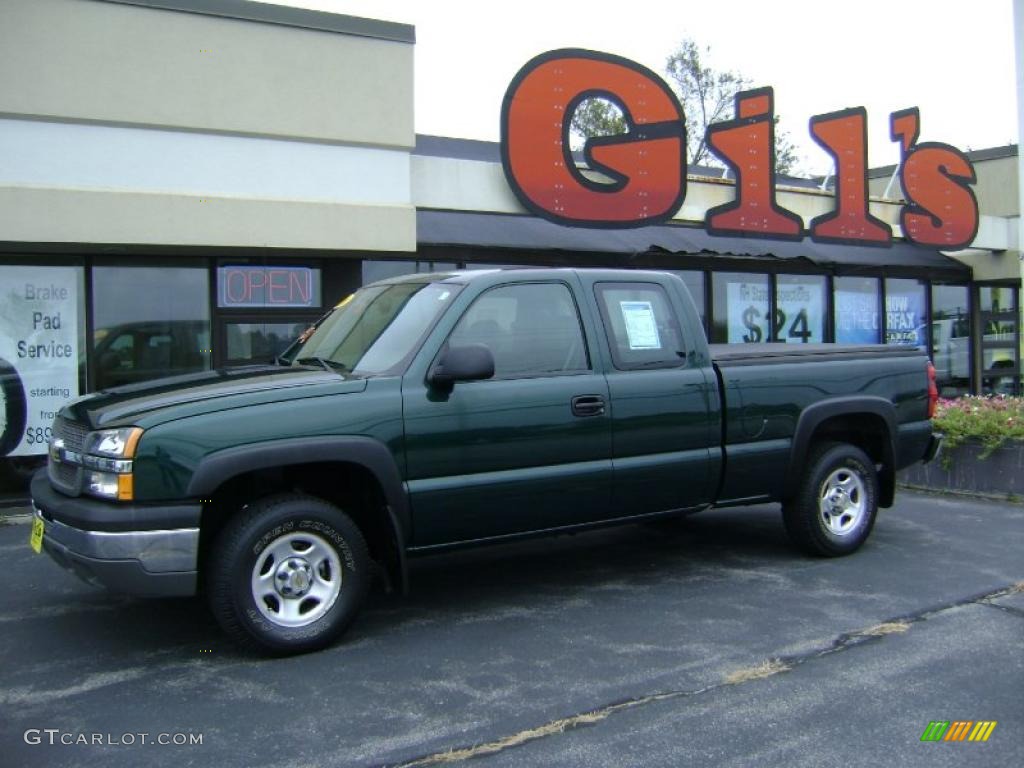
(154, 402)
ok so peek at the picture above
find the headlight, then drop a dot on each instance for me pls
(114, 443)
(107, 459)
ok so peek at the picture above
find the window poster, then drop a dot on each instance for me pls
(905, 314)
(641, 328)
(857, 316)
(39, 352)
(799, 311)
(747, 307)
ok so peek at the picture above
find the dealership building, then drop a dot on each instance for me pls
(187, 184)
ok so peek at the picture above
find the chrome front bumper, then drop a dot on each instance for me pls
(148, 563)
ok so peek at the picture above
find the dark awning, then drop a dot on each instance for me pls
(530, 233)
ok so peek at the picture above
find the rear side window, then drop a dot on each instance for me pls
(532, 329)
(641, 326)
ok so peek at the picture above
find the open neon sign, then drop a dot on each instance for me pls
(646, 167)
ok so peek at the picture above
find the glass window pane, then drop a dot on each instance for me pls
(904, 312)
(741, 308)
(951, 339)
(382, 270)
(1000, 375)
(376, 329)
(857, 310)
(694, 280)
(169, 329)
(800, 308)
(997, 298)
(642, 327)
(531, 330)
(260, 342)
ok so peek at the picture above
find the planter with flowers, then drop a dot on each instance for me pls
(983, 450)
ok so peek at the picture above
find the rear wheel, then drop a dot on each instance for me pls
(288, 574)
(835, 506)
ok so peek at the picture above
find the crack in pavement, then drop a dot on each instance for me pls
(766, 668)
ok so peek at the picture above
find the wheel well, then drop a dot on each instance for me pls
(351, 487)
(870, 433)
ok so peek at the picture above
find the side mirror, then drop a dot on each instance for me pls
(469, 363)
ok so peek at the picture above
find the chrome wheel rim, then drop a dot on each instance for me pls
(297, 579)
(843, 502)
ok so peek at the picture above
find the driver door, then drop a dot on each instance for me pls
(527, 450)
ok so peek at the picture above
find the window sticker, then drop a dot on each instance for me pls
(641, 329)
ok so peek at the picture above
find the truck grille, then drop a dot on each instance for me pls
(65, 476)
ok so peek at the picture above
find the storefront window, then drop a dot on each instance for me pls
(905, 312)
(149, 322)
(260, 342)
(951, 339)
(694, 280)
(800, 308)
(741, 308)
(41, 325)
(1000, 341)
(857, 310)
(382, 270)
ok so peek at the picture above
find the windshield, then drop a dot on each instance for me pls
(377, 328)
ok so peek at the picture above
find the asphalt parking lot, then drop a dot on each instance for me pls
(709, 643)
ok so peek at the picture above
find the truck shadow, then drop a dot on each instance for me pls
(451, 586)
(632, 556)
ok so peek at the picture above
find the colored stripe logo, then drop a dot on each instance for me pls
(959, 730)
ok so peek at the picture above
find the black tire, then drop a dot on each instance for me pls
(841, 524)
(299, 543)
(12, 393)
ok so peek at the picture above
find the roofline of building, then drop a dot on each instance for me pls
(268, 13)
(490, 152)
(975, 156)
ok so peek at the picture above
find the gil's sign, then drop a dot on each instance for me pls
(646, 166)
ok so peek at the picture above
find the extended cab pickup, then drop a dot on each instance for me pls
(432, 411)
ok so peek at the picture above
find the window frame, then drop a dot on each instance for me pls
(617, 362)
(539, 375)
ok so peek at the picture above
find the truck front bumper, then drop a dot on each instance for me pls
(110, 544)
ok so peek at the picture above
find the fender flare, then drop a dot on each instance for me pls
(217, 468)
(816, 414)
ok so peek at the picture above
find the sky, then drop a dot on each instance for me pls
(953, 60)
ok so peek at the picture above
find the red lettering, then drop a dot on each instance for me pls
(747, 145)
(646, 165)
(905, 127)
(942, 210)
(301, 285)
(277, 281)
(844, 135)
(235, 286)
(257, 286)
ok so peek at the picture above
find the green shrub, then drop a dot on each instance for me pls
(992, 421)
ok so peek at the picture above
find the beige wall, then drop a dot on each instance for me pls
(90, 60)
(162, 127)
(997, 186)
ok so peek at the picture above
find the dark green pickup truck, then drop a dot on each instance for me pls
(442, 410)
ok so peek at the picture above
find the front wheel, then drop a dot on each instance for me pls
(288, 574)
(834, 508)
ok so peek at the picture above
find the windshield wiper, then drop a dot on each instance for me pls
(325, 363)
(281, 361)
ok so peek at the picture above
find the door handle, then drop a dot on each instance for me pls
(588, 405)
